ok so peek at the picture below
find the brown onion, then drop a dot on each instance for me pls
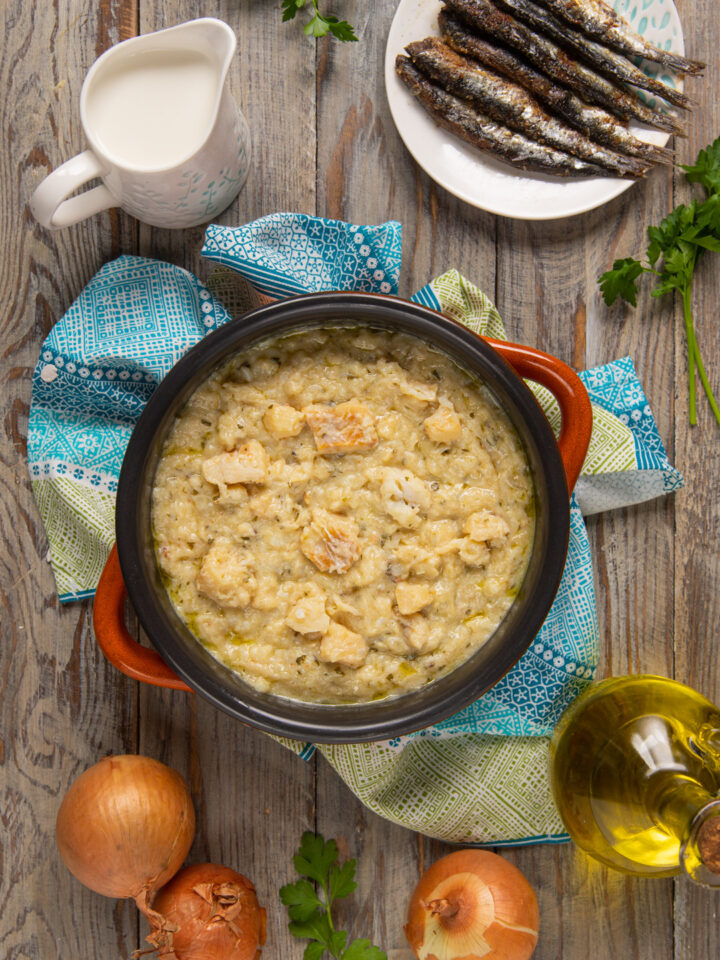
(473, 904)
(207, 912)
(125, 826)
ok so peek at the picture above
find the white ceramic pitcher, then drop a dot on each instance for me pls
(175, 156)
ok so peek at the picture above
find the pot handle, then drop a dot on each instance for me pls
(114, 639)
(570, 393)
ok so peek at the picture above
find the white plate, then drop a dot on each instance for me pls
(478, 178)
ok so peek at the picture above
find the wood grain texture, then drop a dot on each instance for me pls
(253, 798)
(61, 708)
(697, 454)
(324, 142)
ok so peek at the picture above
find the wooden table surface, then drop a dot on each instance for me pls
(324, 143)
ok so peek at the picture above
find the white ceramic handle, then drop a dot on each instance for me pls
(49, 203)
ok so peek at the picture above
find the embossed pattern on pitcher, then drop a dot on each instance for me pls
(199, 189)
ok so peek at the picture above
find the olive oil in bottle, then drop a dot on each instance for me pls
(636, 777)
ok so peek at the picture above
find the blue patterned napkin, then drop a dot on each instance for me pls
(291, 253)
(104, 358)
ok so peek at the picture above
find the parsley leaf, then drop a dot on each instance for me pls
(314, 950)
(341, 880)
(363, 950)
(674, 247)
(317, 27)
(706, 169)
(672, 229)
(341, 30)
(621, 281)
(310, 911)
(315, 857)
(290, 8)
(316, 928)
(336, 944)
(319, 24)
(709, 243)
(300, 899)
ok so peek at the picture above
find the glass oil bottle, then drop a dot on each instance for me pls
(636, 777)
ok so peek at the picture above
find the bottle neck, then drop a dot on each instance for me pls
(678, 802)
(700, 851)
(689, 811)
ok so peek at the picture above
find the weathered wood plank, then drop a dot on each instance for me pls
(61, 706)
(389, 862)
(697, 453)
(366, 175)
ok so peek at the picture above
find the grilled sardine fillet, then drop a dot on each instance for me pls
(595, 122)
(598, 19)
(507, 102)
(607, 62)
(460, 118)
(489, 20)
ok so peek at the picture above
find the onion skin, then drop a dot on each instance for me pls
(125, 826)
(208, 912)
(473, 905)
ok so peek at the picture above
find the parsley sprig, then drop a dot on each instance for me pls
(319, 24)
(674, 248)
(310, 907)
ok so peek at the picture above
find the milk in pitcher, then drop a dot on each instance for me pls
(152, 111)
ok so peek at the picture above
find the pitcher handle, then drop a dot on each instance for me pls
(570, 393)
(49, 202)
(114, 639)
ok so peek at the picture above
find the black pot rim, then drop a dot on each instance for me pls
(383, 719)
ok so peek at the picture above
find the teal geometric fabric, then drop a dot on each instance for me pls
(288, 253)
(615, 388)
(97, 370)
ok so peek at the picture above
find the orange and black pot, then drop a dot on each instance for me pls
(180, 661)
